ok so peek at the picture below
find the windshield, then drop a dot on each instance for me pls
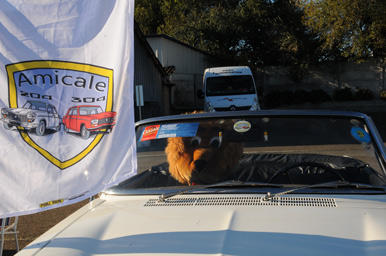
(84, 111)
(35, 105)
(285, 150)
(229, 85)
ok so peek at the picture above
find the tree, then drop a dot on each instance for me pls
(148, 15)
(246, 32)
(349, 29)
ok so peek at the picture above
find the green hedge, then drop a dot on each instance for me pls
(278, 98)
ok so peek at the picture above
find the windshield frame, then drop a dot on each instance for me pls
(376, 140)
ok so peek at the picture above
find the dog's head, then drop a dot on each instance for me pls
(205, 158)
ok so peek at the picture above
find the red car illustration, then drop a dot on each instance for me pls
(88, 118)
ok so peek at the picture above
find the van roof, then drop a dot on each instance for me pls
(231, 70)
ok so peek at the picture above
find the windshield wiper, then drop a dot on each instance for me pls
(232, 184)
(337, 183)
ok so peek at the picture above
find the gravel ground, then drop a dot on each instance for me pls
(32, 226)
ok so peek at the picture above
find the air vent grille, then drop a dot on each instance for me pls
(245, 201)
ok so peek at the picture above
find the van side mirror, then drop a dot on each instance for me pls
(200, 94)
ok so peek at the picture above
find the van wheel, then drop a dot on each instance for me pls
(84, 132)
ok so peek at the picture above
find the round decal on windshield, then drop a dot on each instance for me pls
(242, 126)
(360, 135)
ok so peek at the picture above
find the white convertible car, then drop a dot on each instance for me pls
(240, 183)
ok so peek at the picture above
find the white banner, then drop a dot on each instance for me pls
(66, 99)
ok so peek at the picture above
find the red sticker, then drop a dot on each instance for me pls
(150, 132)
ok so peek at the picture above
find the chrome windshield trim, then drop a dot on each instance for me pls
(257, 113)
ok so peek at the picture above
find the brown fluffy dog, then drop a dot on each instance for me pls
(204, 159)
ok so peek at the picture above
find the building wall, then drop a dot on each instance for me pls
(171, 52)
(148, 75)
(189, 64)
(328, 77)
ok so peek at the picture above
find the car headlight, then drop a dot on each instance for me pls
(4, 112)
(31, 116)
(94, 121)
(210, 107)
(255, 104)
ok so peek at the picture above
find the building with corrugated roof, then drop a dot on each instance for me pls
(149, 73)
(170, 73)
(186, 66)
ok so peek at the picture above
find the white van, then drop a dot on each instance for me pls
(229, 88)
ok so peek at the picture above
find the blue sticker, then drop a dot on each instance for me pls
(360, 135)
(177, 130)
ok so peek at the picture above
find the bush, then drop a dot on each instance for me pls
(277, 98)
(382, 95)
(343, 94)
(363, 94)
(319, 96)
(300, 97)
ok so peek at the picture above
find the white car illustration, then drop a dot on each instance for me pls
(34, 115)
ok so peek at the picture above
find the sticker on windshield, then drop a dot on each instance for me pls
(150, 133)
(242, 126)
(169, 130)
(360, 135)
(178, 130)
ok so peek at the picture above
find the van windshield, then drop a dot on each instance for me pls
(229, 85)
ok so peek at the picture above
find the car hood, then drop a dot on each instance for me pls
(103, 115)
(22, 111)
(220, 225)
